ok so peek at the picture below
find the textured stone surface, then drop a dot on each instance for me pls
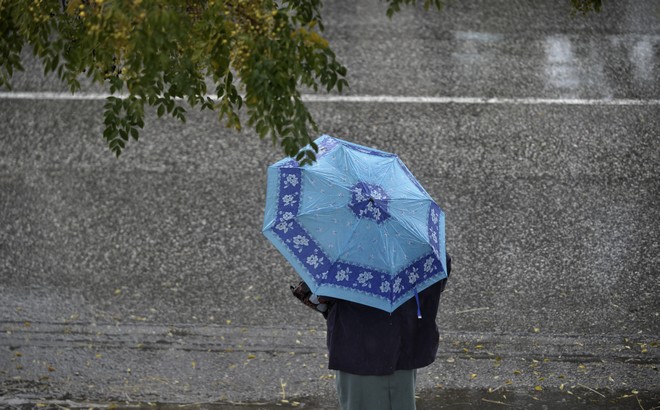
(155, 262)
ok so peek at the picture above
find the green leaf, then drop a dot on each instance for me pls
(109, 133)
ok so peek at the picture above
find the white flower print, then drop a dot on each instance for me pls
(359, 196)
(287, 216)
(314, 260)
(385, 287)
(291, 179)
(413, 276)
(364, 279)
(374, 210)
(284, 226)
(324, 275)
(428, 265)
(288, 200)
(342, 274)
(434, 237)
(397, 285)
(376, 194)
(299, 241)
(434, 217)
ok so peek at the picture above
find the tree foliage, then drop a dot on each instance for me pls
(222, 55)
(586, 6)
(253, 55)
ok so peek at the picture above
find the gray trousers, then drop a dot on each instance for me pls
(393, 392)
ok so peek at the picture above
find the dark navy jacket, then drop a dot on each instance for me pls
(364, 340)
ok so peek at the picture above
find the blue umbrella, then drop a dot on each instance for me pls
(356, 225)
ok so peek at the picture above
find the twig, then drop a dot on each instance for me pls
(639, 402)
(590, 389)
(496, 389)
(496, 402)
(473, 310)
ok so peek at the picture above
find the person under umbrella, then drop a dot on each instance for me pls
(368, 242)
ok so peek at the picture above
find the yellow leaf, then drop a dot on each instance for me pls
(479, 347)
(473, 376)
(538, 388)
(537, 329)
(251, 356)
(561, 386)
(72, 6)
(194, 365)
(517, 372)
(117, 292)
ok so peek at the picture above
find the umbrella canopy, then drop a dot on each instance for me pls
(356, 225)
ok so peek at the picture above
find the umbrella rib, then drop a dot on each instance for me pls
(320, 210)
(348, 240)
(404, 225)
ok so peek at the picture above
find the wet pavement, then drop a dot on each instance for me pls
(147, 279)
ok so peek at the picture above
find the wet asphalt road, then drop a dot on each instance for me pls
(146, 279)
